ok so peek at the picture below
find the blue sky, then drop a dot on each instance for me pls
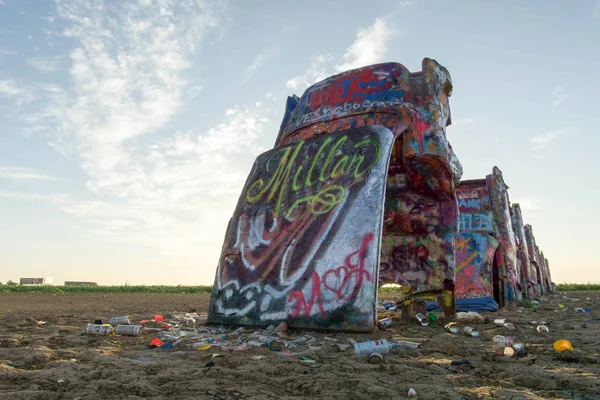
(127, 128)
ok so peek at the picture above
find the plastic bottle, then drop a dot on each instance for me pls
(379, 346)
(503, 341)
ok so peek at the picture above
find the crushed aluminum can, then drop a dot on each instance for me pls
(93, 329)
(124, 320)
(128, 330)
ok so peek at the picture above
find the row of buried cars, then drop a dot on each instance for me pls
(361, 189)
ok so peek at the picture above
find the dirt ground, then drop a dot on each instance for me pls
(44, 354)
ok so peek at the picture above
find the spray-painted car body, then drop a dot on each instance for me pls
(525, 269)
(313, 251)
(536, 262)
(486, 255)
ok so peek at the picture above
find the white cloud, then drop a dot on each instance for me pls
(10, 88)
(23, 196)
(596, 13)
(258, 61)
(543, 140)
(318, 69)
(558, 95)
(24, 174)
(4, 52)
(369, 47)
(45, 64)
(49, 18)
(175, 193)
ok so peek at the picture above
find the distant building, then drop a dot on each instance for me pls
(76, 283)
(35, 281)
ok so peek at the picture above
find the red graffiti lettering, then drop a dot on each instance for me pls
(301, 303)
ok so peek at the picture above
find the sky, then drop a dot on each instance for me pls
(128, 128)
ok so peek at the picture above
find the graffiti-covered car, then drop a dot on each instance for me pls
(486, 257)
(359, 190)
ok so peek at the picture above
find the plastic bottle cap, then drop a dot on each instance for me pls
(562, 345)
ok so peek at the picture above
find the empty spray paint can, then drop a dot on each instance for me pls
(93, 329)
(128, 330)
(453, 328)
(366, 348)
(386, 322)
(500, 321)
(422, 319)
(469, 330)
(124, 320)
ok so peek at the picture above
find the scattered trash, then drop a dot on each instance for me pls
(562, 345)
(432, 316)
(561, 306)
(154, 343)
(167, 346)
(158, 318)
(509, 351)
(379, 346)
(73, 360)
(510, 326)
(500, 322)
(542, 330)
(583, 309)
(386, 322)
(203, 347)
(469, 330)
(375, 358)
(128, 330)
(13, 364)
(61, 381)
(453, 328)
(120, 320)
(403, 343)
(257, 357)
(209, 364)
(412, 392)
(93, 329)
(308, 360)
(98, 322)
(422, 319)
(511, 346)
